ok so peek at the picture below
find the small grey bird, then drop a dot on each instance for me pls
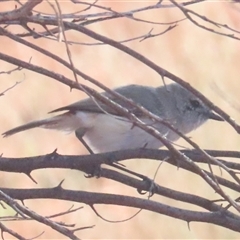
(110, 132)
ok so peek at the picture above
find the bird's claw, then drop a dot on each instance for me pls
(150, 185)
(94, 172)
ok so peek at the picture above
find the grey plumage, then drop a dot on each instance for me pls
(108, 132)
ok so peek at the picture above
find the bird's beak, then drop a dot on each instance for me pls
(214, 116)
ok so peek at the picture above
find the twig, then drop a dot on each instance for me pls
(6, 90)
(11, 232)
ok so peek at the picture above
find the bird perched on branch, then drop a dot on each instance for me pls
(104, 129)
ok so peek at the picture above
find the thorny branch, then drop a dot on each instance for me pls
(25, 212)
(133, 118)
(219, 217)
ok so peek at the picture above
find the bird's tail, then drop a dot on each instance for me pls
(60, 122)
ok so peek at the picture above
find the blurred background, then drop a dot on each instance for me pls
(209, 62)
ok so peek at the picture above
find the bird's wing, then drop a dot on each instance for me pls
(88, 105)
(95, 106)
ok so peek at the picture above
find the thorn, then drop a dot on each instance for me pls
(52, 155)
(29, 175)
(22, 201)
(188, 223)
(60, 184)
(133, 125)
(164, 83)
(71, 208)
(2, 205)
(2, 234)
(145, 145)
(55, 151)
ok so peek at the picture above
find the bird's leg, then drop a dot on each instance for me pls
(96, 170)
(79, 133)
(148, 184)
(151, 187)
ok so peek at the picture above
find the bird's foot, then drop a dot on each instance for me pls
(149, 186)
(94, 171)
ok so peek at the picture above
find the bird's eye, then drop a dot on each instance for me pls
(195, 103)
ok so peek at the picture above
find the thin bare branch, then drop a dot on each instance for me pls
(22, 12)
(11, 232)
(230, 221)
(23, 210)
(8, 89)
